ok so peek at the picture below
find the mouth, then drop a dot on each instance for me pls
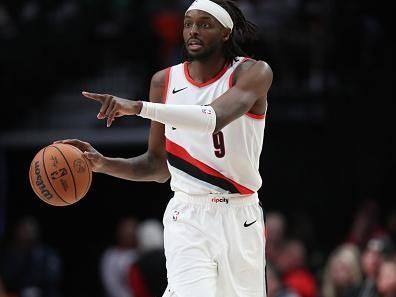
(194, 44)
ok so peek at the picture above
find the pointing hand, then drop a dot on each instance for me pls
(114, 107)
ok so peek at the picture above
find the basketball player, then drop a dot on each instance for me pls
(208, 118)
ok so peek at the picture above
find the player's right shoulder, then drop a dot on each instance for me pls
(159, 78)
(158, 84)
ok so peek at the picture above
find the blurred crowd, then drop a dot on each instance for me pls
(316, 48)
(133, 267)
(363, 264)
(47, 44)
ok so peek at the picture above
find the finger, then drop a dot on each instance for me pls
(81, 145)
(97, 97)
(68, 141)
(112, 114)
(109, 121)
(105, 106)
(101, 116)
(110, 108)
(90, 156)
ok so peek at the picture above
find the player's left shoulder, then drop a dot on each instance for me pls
(258, 68)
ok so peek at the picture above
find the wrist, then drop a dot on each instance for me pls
(103, 165)
(138, 107)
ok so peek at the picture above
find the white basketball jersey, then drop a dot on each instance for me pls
(199, 163)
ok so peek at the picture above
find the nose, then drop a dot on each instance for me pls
(194, 30)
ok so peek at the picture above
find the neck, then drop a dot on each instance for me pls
(204, 70)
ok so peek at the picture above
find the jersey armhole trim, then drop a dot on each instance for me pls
(255, 116)
(230, 85)
(231, 78)
(166, 85)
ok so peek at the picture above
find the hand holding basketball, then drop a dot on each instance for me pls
(114, 107)
(96, 159)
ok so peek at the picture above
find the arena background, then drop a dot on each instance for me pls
(329, 143)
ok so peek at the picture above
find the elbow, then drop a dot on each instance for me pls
(162, 175)
(161, 179)
(159, 172)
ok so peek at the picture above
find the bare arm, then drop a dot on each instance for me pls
(249, 94)
(151, 166)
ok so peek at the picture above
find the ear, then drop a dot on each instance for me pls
(226, 34)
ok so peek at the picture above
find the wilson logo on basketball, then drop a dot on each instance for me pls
(39, 181)
(58, 173)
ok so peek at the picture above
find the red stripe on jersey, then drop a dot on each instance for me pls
(166, 85)
(204, 84)
(180, 152)
(255, 116)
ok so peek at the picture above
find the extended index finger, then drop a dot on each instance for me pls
(97, 97)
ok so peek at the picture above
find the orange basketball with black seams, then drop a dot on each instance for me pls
(60, 175)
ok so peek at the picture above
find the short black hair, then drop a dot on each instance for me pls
(243, 31)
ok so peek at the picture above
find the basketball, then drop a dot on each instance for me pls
(60, 175)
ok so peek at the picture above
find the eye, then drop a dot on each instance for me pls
(187, 24)
(204, 25)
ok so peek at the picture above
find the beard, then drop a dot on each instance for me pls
(201, 55)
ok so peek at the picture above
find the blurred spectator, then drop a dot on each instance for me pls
(386, 282)
(275, 285)
(275, 228)
(342, 272)
(147, 276)
(28, 267)
(376, 251)
(365, 224)
(117, 259)
(302, 227)
(167, 23)
(295, 273)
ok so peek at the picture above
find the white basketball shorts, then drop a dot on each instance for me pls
(214, 246)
